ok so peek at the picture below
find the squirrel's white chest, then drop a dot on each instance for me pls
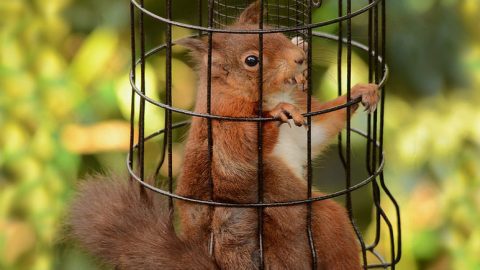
(291, 146)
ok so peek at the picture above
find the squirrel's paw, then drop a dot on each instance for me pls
(283, 111)
(369, 93)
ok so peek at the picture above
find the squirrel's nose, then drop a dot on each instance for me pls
(300, 60)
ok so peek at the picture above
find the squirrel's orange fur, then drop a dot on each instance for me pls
(117, 225)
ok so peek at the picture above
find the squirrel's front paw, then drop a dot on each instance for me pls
(285, 110)
(369, 93)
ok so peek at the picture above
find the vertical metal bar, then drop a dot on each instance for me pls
(339, 76)
(260, 140)
(382, 108)
(371, 59)
(162, 154)
(309, 140)
(341, 154)
(168, 84)
(398, 256)
(349, 112)
(395, 258)
(379, 74)
(167, 122)
(209, 88)
(211, 244)
(377, 80)
(372, 119)
(141, 115)
(348, 199)
(133, 68)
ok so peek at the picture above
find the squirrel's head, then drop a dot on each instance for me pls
(235, 58)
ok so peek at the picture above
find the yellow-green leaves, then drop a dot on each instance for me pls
(94, 55)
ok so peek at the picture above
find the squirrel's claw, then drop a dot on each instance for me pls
(284, 117)
(283, 111)
(369, 94)
(370, 108)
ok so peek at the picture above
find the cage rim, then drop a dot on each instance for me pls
(257, 31)
(157, 49)
(331, 195)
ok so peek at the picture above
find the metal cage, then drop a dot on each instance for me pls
(293, 18)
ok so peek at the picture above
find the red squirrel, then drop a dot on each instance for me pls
(111, 220)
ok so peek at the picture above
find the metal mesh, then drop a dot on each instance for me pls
(293, 18)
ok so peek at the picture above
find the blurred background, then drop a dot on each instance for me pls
(65, 101)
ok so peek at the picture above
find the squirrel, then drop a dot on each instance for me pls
(112, 221)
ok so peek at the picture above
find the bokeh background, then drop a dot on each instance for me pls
(64, 112)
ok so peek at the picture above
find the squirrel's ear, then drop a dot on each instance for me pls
(299, 42)
(195, 45)
(251, 15)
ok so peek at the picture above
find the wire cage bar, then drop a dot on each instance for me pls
(294, 18)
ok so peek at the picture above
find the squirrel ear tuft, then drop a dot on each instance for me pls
(251, 15)
(195, 45)
(300, 42)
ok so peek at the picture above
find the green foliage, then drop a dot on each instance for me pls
(45, 87)
(64, 109)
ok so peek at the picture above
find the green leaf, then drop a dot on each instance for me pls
(93, 56)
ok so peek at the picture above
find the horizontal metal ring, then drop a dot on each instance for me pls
(257, 31)
(378, 170)
(254, 119)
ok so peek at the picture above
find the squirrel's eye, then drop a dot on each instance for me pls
(251, 60)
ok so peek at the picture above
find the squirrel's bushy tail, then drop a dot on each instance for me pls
(110, 219)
